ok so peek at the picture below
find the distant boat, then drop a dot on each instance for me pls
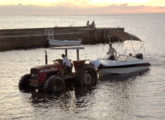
(53, 42)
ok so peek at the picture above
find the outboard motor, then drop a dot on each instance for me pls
(139, 56)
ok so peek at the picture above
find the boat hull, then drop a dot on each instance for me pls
(64, 43)
(123, 70)
(120, 67)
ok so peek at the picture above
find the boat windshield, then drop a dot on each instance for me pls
(122, 57)
(106, 57)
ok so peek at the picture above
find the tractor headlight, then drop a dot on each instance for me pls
(34, 75)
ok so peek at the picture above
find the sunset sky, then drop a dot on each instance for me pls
(81, 6)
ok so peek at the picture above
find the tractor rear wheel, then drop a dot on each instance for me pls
(86, 75)
(55, 84)
(24, 83)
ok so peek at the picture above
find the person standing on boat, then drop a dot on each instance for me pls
(111, 52)
(66, 63)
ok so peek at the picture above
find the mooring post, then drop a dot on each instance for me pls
(66, 52)
(77, 54)
(46, 58)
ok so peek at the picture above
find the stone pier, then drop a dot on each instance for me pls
(11, 39)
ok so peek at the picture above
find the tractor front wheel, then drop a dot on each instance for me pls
(24, 83)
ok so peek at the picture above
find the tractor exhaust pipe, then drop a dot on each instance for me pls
(46, 58)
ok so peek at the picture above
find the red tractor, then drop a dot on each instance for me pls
(49, 78)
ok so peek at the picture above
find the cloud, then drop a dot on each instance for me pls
(68, 8)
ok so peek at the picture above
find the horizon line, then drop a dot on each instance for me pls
(136, 13)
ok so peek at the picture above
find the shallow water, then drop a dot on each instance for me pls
(140, 96)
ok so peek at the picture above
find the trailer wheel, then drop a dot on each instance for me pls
(24, 83)
(86, 75)
(55, 84)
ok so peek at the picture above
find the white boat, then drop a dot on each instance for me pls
(123, 63)
(53, 42)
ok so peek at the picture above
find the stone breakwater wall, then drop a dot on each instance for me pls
(11, 39)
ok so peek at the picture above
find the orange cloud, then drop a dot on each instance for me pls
(69, 9)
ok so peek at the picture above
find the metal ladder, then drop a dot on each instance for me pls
(49, 33)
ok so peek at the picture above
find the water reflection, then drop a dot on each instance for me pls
(124, 77)
(67, 101)
(121, 95)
